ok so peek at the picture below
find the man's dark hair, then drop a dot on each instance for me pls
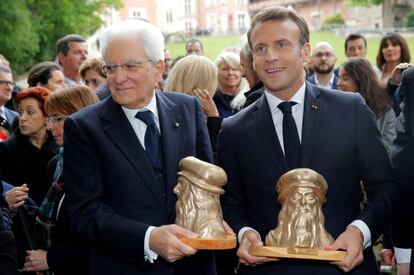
(41, 73)
(62, 45)
(354, 36)
(193, 40)
(278, 13)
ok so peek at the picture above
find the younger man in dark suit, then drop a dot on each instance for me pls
(296, 125)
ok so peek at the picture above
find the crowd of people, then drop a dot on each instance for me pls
(89, 151)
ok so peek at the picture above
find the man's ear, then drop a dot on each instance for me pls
(159, 67)
(306, 51)
(60, 57)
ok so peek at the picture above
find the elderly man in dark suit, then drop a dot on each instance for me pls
(402, 156)
(296, 124)
(121, 162)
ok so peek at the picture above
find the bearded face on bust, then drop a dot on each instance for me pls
(300, 220)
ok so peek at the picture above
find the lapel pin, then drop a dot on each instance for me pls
(314, 107)
(176, 125)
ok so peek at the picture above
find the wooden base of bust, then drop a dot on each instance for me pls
(211, 244)
(297, 253)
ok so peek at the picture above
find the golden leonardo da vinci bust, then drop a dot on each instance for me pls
(198, 193)
(301, 221)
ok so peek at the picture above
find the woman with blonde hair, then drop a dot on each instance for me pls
(229, 82)
(61, 249)
(196, 75)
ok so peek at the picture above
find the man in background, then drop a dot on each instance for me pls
(194, 46)
(323, 61)
(71, 51)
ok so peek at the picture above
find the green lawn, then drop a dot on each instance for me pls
(213, 45)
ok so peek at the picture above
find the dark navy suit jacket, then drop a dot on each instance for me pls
(340, 141)
(113, 195)
(11, 116)
(402, 155)
(312, 80)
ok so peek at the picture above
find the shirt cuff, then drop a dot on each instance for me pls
(244, 229)
(149, 255)
(365, 232)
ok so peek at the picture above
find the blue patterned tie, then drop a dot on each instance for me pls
(152, 138)
(290, 136)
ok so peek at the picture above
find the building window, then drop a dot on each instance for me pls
(188, 28)
(187, 6)
(169, 17)
(241, 22)
(136, 13)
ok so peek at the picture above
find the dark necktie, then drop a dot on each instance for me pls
(152, 139)
(290, 136)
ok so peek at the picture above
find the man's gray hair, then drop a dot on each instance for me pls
(5, 69)
(149, 35)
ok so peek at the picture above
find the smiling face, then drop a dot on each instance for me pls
(132, 88)
(229, 78)
(278, 57)
(345, 82)
(32, 121)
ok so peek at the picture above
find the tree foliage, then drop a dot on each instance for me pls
(29, 28)
(409, 19)
(335, 19)
(366, 3)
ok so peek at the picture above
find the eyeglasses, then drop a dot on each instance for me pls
(327, 55)
(6, 83)
(130, 67)
(54, 119)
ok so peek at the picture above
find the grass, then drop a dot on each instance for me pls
(213, 45)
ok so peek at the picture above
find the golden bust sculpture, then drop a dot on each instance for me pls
(301, 221)
(198, 193)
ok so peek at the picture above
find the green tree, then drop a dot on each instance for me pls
(365, 2)
(35, 25)
(18, 40)
(409, 19)
(335, 19)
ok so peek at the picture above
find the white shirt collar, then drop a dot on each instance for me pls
(3, 112)
(330, 82)
(152, 106)
(298, 97)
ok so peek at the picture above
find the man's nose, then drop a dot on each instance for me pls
(271, 54)
(119, 75)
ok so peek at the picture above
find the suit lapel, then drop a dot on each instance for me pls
(267, 132)
(120, 131)
(311, 119)
(170, 120)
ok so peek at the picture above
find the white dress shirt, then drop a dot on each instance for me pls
(139, 128)
(3, 113)
(297, 113)
(328, 85)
